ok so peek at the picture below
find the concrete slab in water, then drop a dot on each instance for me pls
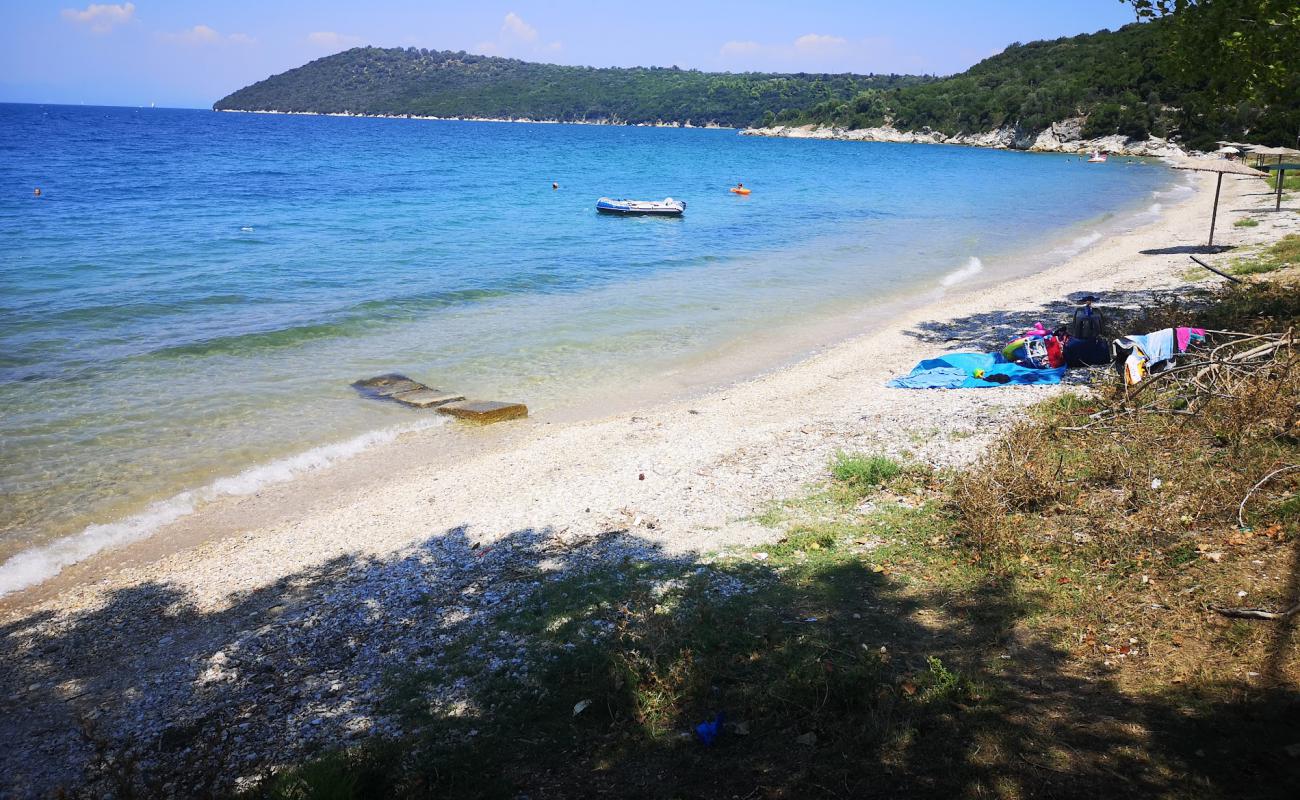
(387, 385)
(427, 398)
(485, 411)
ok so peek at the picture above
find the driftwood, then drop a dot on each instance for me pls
(1241, 509)
(1215, 271)
(1254, 613)
(1198, 376)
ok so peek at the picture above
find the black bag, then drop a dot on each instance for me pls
(1087, 324)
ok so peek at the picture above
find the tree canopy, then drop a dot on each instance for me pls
(1236, 64)
(397, 81)
(1196, 69)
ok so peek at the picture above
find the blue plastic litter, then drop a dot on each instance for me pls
(708, 731)
(957, 371)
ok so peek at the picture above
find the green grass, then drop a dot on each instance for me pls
(1246, 222)
(1292, 181)
(1280, 255)
(862, 472)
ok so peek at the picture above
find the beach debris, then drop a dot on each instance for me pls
(404, 390)
(580, 707)
(484, 410)
(709, 729)
(427, 398)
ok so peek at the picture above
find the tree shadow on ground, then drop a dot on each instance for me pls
(452, 669)
(1189, 249)
(1124, 312)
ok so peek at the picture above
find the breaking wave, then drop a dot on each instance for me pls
(972, 268)
(30, 567)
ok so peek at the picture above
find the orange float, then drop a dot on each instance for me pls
(739, 190)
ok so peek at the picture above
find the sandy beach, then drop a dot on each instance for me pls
(447, 520)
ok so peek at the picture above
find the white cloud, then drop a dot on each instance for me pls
(818, 43)
(204, 35)
(101, 17)
(519, 39)
(514, 27)
(332, 39)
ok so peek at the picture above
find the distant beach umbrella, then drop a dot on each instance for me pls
(1228, 150)
(1220, 166)
(1293, 164)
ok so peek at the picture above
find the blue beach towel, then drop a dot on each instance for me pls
(957, 371)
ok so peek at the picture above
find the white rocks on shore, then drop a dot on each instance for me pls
(1061, 137)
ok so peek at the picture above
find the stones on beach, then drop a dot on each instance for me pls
(385, 386)
(485, 411)
(402, 389)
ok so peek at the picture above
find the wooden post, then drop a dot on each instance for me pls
(1215, 213)
(1281, 179)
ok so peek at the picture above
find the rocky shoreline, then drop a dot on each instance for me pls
(1060, 137)
(526, 120)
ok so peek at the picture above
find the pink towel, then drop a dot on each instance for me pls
(1185, 336)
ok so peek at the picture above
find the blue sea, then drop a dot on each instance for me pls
(184, 306)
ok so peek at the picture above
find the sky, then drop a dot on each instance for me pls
(189, 53)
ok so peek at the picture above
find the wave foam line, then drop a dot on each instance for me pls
(38, 564)
(973, 267)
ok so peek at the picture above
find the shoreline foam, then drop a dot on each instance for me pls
(32, 566)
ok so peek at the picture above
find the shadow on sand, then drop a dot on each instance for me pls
(148, 695)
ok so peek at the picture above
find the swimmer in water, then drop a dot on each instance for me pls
(37, 193)
(555, 185)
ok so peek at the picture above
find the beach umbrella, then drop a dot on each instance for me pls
(1281, 169)
(1228, 149)
(1261, 152)
(1220, 166)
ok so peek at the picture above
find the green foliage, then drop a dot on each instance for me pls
(1111, 77)
(1204, 74)
(1236, 63)
(864, 472)
(396, 81)
(1281, 254)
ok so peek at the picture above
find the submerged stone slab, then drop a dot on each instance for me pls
(387, 385)
(485, 411)
(427, 398)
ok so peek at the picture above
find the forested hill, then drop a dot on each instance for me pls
(1118, 81)
(371, 80)
(1112, 77)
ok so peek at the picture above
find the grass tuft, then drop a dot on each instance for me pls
(863, 472)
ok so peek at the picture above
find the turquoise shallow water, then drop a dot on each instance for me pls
(194, 291)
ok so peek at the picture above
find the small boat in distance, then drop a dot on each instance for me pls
(667, 207)
(1097, 158)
